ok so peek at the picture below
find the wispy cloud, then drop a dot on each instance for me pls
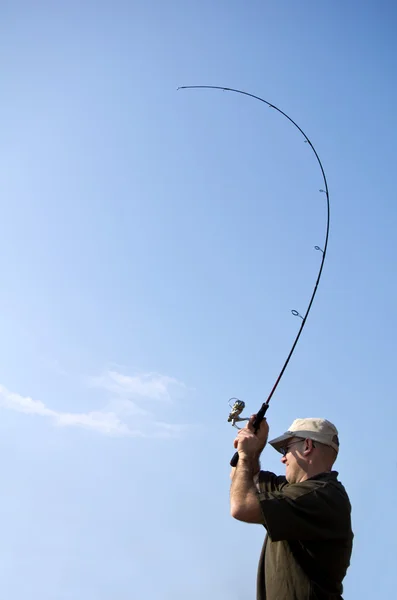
(128, 402)
(151, 386)
(103, 422)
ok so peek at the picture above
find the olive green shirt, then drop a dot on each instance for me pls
(309, 539)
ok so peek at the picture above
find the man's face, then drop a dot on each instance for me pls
(293, 460)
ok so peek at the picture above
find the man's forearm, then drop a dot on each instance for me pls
(256, 467)
(244, 502)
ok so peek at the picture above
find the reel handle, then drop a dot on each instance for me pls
(257, 423)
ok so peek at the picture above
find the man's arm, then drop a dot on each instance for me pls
(244, 501)
(256, 469)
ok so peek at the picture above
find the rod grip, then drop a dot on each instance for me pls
(234, 461)
(257, 423)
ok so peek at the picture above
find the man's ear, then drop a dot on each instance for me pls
(308, 447)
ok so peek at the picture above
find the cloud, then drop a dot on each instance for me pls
(103, 422)
(127, 393)
(152, 386)
(23, 404)
(169, 430)
(141, 397)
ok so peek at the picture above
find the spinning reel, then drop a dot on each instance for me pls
(236, 409)
(234, 417)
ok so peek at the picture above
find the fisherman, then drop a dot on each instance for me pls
(306, 514)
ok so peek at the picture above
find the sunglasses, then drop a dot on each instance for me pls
(284, 451)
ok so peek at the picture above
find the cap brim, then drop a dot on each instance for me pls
(279, 442)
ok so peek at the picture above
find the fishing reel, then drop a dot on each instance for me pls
(236, 409)
(234, 417)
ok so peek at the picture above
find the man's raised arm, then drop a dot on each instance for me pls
(244, 502)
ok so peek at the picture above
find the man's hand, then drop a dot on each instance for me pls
(250, 444)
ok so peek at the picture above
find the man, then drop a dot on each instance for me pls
(309, 538)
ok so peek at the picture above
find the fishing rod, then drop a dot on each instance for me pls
(238, 405)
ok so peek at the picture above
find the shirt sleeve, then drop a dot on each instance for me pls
(310, 510)
(267, 482)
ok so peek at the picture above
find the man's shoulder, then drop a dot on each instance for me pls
(329, 481)
(320, 485)
(323, 486)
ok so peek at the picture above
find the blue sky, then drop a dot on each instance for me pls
(153, 244)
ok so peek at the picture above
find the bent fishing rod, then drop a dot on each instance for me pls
(238, 405)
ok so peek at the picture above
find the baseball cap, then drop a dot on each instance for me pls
(316, 429)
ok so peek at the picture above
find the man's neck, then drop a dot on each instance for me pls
(312, 471)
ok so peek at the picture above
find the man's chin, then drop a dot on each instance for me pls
(289, 477)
